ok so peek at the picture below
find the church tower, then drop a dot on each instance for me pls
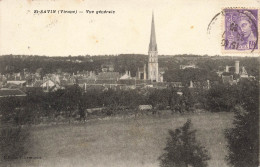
(153, 72)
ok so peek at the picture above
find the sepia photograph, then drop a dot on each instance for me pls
(129, 83)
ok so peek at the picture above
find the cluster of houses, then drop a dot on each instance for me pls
(17, 84)
(106, 79)
(233, 74)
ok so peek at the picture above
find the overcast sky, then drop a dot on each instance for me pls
(181, 27)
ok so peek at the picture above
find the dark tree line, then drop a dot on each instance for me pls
(46, 65)
(224, 97)
(128, 62)
(73, 101)
(187, 75)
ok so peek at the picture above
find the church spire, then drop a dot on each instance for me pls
(152, 45)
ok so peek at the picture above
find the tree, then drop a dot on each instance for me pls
(82, 107)
(159, 99)
(190, 74)
(173, 99)
(13, 142)
(243, 139)
(8, 107)
(187, 100)
(72, 97)
(222, 97)
(13, 137)
(182, 149)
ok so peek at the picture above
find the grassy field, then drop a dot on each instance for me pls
(122, 142)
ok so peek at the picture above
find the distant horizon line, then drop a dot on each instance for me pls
(185, 54)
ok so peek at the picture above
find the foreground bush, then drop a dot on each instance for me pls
(183, 150)
(12, 143)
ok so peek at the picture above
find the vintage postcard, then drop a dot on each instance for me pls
(129, 83)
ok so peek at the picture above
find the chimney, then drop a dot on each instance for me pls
(47, 85)
(237, 67)
(137, 73)
(191, 84)
(227, 68)
(208, 84)
(144, 71)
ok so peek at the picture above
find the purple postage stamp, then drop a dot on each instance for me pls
(241, 30)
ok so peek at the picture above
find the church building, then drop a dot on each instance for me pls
(153, 73)
(153, 69)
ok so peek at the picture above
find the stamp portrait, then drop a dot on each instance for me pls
(240, 30)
